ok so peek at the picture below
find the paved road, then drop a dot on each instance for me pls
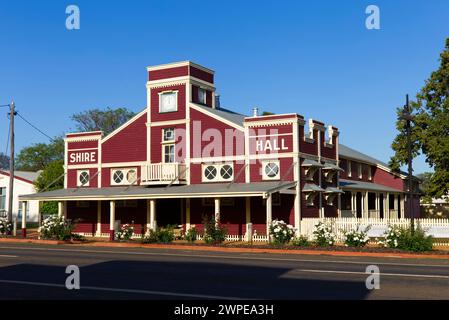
(38, 272)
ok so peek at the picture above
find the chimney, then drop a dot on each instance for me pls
(217, 101)
(255, 112)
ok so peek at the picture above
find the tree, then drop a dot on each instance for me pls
(430, 130)
(424, 185)
(4, 161)
(49, 175)
(101, 120)
(38, 156)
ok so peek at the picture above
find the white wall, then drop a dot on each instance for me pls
(20, 188)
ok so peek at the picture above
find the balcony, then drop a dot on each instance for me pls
(163, 173)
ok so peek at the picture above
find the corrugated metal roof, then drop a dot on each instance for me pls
(226, 114)
(27, 175)
(362, 185)
(184, 191)
(345, 151)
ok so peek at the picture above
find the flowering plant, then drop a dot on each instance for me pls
(392, 237)
(56, 227)
(323, 235)
(125, 232)
(356, 238)
(281, 232)
(5, 226)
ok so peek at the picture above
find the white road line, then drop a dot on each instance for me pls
(381, 273)
(7, 256)
(238, 257)
(138, 291)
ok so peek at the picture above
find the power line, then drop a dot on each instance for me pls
(36, 128)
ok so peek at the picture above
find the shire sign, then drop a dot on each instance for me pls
(83, 157)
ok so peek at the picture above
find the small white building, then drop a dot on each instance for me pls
(23, 184)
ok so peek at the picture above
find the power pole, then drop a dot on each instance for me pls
(408, 117)
(12, 113)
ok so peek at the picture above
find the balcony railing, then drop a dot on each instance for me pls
(163, 173)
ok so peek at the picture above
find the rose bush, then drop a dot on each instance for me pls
(281, 232)
(323, 235)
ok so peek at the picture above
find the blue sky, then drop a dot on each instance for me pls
(315, 58)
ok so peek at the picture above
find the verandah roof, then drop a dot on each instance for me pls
(369, 186)
(172, 192)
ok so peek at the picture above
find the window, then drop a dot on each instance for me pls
(218, 172)
(126, 204)
(169, 153)
(83, 178)
(168, 101)
(226, 172)
(370, 174)
(270, 170)
(210, 172)
(82, 204)
(349, 169)
(201, 95)
(2, 200)
(169, 134)
(123, 176)
(359, 169)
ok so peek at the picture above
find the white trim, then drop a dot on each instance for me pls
(123, 126)
(161, 93)
(166, 123)
(179, 64)
(268, 123)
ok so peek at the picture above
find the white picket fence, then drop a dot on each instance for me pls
(438, 228)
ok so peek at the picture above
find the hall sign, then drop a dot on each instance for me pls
(271, 145)
(83, 157)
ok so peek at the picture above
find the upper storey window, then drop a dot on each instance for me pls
(168, 101)
(201, 95)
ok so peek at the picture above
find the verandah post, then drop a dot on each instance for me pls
(269, 214)
(111, 220)
(24, 219)
(217, 210)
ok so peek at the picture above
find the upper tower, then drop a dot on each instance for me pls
(171, 87)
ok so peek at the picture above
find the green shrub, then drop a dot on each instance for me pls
(159, 235)
(214, 232)
(191, 235)
(301, 241)
(405, 239)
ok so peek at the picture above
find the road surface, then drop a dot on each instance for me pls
(30, 271)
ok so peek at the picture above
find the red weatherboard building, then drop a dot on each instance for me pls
(184, 157)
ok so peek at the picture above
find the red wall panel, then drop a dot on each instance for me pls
(130, 144)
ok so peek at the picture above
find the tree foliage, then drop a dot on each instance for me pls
(101, 120)
(38, 156)
(4, 161)
(430, 132)
(50, 174)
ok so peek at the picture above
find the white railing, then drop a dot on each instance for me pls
(373, 214)
(438, 228)
(163, 172)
